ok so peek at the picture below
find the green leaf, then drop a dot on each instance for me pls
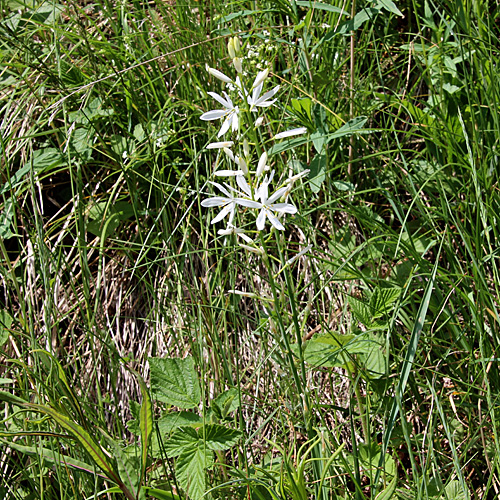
(227, 402)
(360, 18)
(129, 467)
(145, 425)
(161, 494)
(388, 492)
(83, 437)
(382, 301)
(181, 440)
(220, 438)
(46, 159)
(171, 421)
(317, 174)
(354, 126)
(390, 6)
(5, 324)
(190, 470)
(175, 381)
(50, 456)
(319, 6)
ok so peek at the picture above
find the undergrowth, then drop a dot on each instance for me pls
(351, 354)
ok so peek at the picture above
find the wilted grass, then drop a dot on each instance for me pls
(367, 368)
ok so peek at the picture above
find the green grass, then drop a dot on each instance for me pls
(366, 368)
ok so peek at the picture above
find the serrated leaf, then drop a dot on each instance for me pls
(382, 300)
(182, 439)
(227, 402)
(361, 310)
(171, 421)
(190, 470)
(175, 381)
(220, 438)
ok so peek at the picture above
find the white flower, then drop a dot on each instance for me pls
(300, 254)
(219, 145)
(230, 113)
(267, 206)
(290, 133)
(228, 173)
(219, 75)
(227, 203)
(255, 101)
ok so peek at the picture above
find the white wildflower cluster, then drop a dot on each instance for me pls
(249, 175)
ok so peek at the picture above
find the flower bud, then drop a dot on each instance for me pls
(262, 164)
(246, 148)
(242, 164)
(237, 46)
(230, 48)
(237, 65)
(259, 121)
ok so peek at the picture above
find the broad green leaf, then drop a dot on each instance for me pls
(454, 491)
(367, 14)
(227, 402)
(361, 310)
(50, 456)
(182, 439)
(389, 491)
(354, 126)
(84, 438)
(374, 361)
(175, 381)
(128, 461)
(5, 324)
(319, 6)
(317, 174)
(287, 144)
(220, 438)
(390, 6)
(46, 159)
(190, 470)
(171, 421)
(383, 300)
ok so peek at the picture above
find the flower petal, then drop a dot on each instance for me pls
(267, 95)
(277, 195)
(220, 145)
(244, 202)
(227, 104)
(284, 208)
(228, 173)
(261, 220)
(215, 201)
(219, 75)
(275, 221)
(291, 132)
(213, 115)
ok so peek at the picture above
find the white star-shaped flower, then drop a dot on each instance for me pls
(267, 205)
(229, 113)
